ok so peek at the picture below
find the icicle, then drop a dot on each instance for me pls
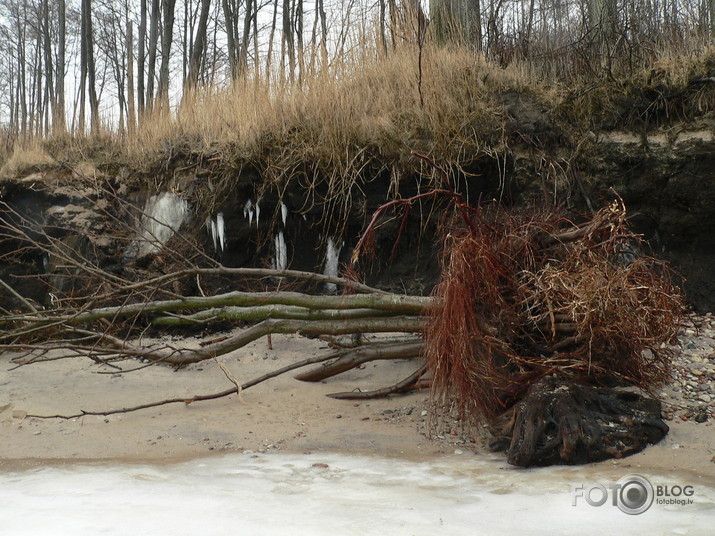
(332, 257)
(213, 234)
(281, 262)
(258, 213)
(284, 213)
(248, 212)
(221, 229)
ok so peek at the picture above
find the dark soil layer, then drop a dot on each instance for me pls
(667, 183)
(669, 189)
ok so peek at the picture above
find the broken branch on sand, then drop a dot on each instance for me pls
(195, 398)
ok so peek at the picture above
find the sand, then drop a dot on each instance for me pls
(281, 414)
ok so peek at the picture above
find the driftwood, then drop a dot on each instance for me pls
(349, 359)
(407, 384)
(191, 399)
(562, 422)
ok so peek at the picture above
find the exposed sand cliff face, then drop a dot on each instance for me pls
(667, 181)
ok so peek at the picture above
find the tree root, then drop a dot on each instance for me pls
(561, 422)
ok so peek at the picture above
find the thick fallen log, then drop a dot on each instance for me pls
(385, 303)
(262, 312)
(183, 356)
(250, 272)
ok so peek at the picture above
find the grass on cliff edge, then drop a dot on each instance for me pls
(368, 112)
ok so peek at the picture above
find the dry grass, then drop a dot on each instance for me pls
(26, 160)
(343, 126)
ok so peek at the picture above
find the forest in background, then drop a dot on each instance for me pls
(91, 66)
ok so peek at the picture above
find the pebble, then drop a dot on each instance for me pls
(693, 392)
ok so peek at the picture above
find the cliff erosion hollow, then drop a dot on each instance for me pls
(235, 217)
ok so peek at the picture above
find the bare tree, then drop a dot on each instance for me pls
(166, 40)
(153, 44)
(199, 46)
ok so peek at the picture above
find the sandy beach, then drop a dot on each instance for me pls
(282, 414)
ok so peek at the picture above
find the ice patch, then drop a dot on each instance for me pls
(332, 257)
(328, 494)
(163, 215)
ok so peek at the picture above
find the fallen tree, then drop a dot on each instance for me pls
(533, 315)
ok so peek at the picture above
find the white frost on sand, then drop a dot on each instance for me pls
(282, 494)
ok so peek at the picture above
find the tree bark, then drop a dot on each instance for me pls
(141, 58)
(457, 21)
(229, 17)
(59, 121)
(153, 46)
(197, 51)
(393, 303)
(131, 110)
(354, 357)
(183, 356)
(261, 312)
(166, 41)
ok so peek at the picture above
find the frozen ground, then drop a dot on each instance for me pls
(331, 494)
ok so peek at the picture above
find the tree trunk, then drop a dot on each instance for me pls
(131, 111)
(229, 17)
(197, 51)
(457, 21)
(166, 40)
(51, 110)
(141, 58)
(153, 45)
(88, 60)
(59, 121)
(245, 36)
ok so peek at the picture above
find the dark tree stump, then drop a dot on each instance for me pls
(561, 422)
